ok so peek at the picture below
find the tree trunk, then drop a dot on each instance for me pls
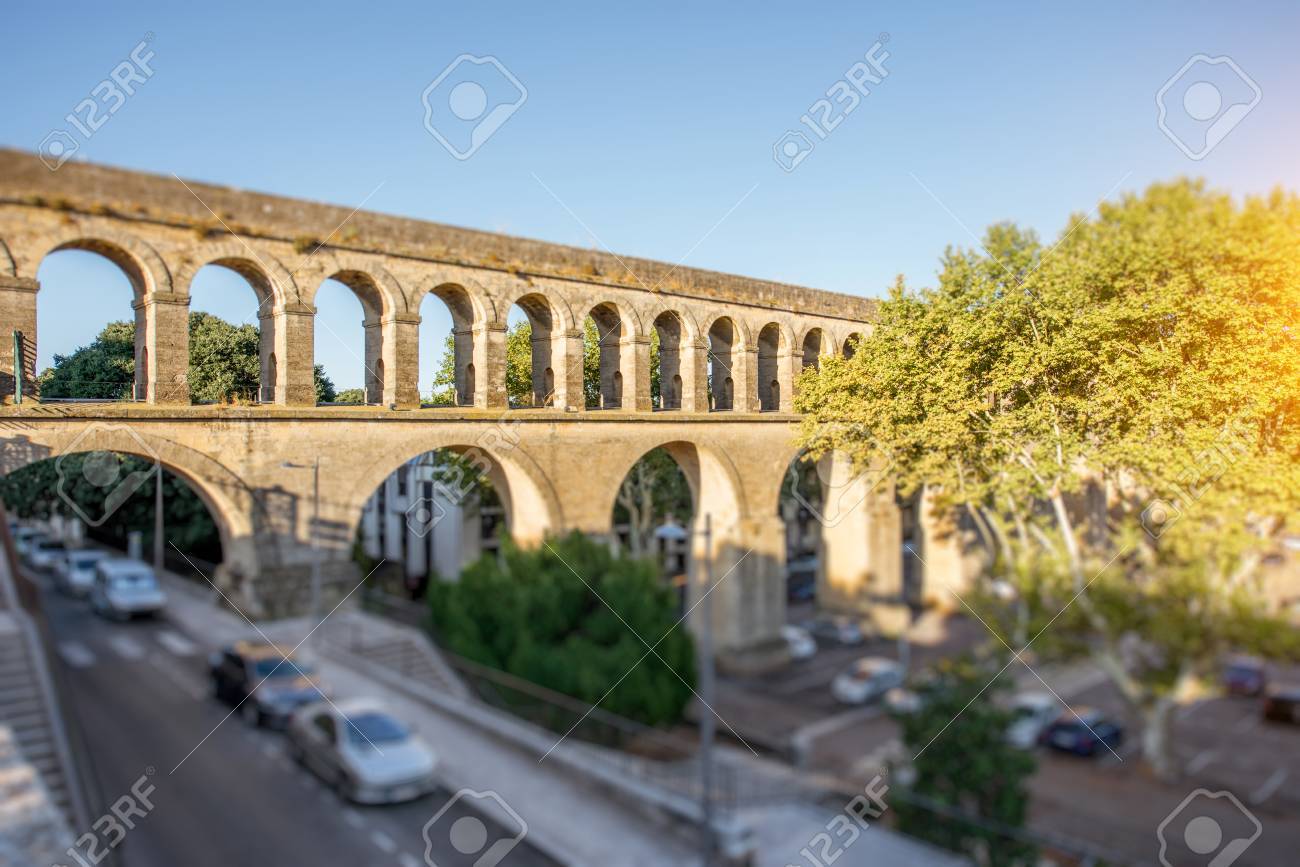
(1157, 738)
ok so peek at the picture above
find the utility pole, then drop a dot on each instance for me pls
(315, 609)
(315, 548)
(157, 517)
(708, 729)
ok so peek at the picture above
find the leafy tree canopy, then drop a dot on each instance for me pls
(1064, 400)
(527, 612)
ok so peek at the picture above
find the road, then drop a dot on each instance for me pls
(224, 793)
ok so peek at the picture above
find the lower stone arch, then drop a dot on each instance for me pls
(532, 509)
(229, 501)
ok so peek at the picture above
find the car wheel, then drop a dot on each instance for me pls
(343, 786)
(252, 715)
(295, 751)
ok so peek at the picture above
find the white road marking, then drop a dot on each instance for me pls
(182, 681)
(306, 781)
(1200, 760)
(126, 646)
(406, 859)
(177, 643)
(272, 751)
(76, 654)
(1271, 785)
(1246, 723)
(353, 818)
(384, 842)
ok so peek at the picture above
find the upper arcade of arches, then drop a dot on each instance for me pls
(162, 232)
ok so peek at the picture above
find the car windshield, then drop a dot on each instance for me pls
(50, 545)
(84, 562)
(132, 581)
(375, 728)
(278, 666)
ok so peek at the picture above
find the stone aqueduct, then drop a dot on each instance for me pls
(556, 464)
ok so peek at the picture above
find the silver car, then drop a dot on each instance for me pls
(124, 588)
(74, 572)
(362, 751)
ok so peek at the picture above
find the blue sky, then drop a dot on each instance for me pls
(654, 124)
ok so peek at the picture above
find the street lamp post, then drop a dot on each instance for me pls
(315, 523)
(708, 729)
(158, 517)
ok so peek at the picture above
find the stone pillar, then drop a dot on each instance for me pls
(611, 372)
(943, 558)
(695, 376)
(17, 313)
(566, 359)
(671, 383)
(165, 346)
(269, 361)
(544, 381)
(490, 366)
(748, 598)
(745, 374)
(634, 364)
(374, 359)
(464, 370)
(792, 367)
(785, 376)
(402, 360)
(295, 355)
(861, 558)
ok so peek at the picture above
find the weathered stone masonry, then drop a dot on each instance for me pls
(557, 465)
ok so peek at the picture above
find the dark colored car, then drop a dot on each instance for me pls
(1282, 703)
(264, 681)
(1083, 734)
(1244, 677)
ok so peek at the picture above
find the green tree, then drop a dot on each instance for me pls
(654, 489)
(104, 369)
(527, 612)
(968, 786)
(351, 395)
(224, 362)
(52, 486)
(324, 385)
(1055, 399)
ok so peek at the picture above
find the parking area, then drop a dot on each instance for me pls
(1222, 743)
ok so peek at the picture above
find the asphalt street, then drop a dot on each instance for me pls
(224, 793)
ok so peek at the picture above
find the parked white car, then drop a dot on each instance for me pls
(361, 750)
(45, 552)
(868, 678)
(800, 644)
(124, 588)
(74, 572)
(24, 538)
(836, 629)
(1032, 713)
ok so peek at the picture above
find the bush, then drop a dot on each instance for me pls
(528, 613)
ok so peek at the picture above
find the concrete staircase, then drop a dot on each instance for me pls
(25, 710)
(403, 650)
